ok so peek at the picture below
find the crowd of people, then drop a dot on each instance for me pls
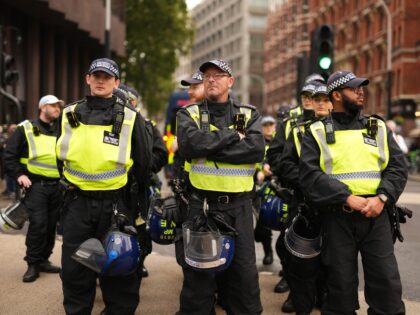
(90, 166)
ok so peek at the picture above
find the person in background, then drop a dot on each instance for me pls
(30, 159)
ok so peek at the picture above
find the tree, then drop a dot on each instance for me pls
(157, 32)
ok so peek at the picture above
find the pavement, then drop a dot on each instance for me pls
(159, 293)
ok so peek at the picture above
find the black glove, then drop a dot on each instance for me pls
(170, 209)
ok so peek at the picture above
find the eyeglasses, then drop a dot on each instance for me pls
(358, 90)
(216, 76)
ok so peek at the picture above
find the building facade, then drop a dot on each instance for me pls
(59, 39)
(287, 43)
(233, 30)
(361, 46)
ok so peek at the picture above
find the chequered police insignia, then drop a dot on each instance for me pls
(340, 81)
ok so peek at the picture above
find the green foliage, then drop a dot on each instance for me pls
(156, 32)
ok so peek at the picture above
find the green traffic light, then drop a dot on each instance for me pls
(325, 63)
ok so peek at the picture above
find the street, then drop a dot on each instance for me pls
(160, 292)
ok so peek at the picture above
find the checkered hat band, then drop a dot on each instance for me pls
(104, 64)
(340, 81)
(321, 89)
(198, 76)
(222, 65)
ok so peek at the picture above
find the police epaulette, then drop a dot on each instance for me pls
(75, 102)
(193, 104)
(246, 105)
(375, 116)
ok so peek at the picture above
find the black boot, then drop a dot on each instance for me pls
(288, 306)
(282, 286)
(31, 274)
(144, 272)
(268, 258)
(48, 267)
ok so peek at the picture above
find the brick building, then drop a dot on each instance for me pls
(361, 46)
(59, 40)
(286, 41)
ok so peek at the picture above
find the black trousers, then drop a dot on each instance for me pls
(241, 292)
(263, 235)
(347, 234)
(85, 218)
(43, 203)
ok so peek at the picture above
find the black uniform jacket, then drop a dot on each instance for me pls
(159, 150)
(17, 147)
(223, 145)
(99, 111)
(277, 147)
(323, 190)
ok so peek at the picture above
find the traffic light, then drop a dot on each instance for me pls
(322, 50)
(9, 74)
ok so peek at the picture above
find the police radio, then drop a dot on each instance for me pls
(36, 131)
(329, 129)
(118, 122)
(204, 120)
(372, 127)
(73, 120)
(239, 122)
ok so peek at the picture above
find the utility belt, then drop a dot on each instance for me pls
(66, 186)
(46, 182)
(222, 199)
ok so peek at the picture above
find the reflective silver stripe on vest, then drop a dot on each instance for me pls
(325, 150)
(222, 171)
(356, 175)
(30, 135)
(36, 163)
(124, 136)
(381, 146)
(95, 177)
(64, 147)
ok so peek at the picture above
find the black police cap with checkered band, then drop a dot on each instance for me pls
(105, 65)
(195, 79)
(344, 79)
(320, 89)
(218, 63)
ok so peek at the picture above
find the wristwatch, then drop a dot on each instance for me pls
(383, 198)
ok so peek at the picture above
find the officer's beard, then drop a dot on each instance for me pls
(350, 106)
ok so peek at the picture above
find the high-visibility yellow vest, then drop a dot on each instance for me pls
(354, 159)
(220, 176)
(94, 159)
(294, 114)
(298, 129)
(41, 152)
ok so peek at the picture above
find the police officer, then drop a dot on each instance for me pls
(352, 169)
(30, 158)
(196, 94)
(222, 162)
(298, 116)
(262, 233)
(302, 274)
(159, 160)
(101, 138)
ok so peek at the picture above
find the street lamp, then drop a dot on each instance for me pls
(108, 29)
(262, 82)
(389, 56)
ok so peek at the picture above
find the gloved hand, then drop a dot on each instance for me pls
(170, 209)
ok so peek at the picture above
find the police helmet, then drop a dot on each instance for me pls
(117, 255)
(274, 210)
(209, 243)
(303, 238)
(162, 231)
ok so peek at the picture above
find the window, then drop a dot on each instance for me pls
(259, 4)
(258, 22)
(257, 42)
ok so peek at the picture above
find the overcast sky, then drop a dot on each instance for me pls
(192, 3)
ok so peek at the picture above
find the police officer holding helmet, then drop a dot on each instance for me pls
(222, 140)
(29, 157)
(101, 139)
(352, 169)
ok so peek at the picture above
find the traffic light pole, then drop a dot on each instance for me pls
(10, 97)
(388, 57)
(108, 29)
